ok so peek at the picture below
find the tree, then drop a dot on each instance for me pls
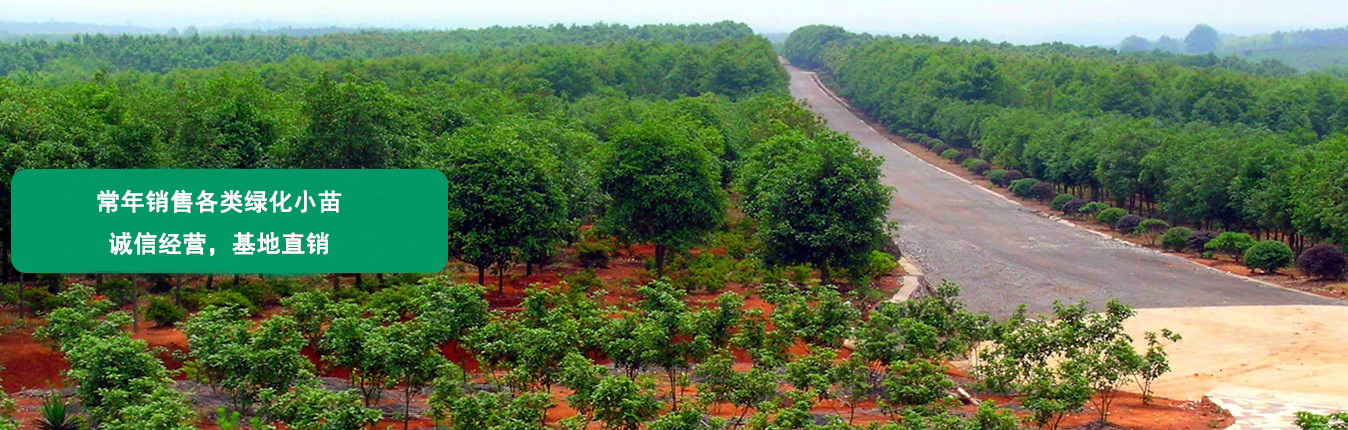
(243, 361)
(823, 205)
(505, 204)
(1201, 40)
(1134, 44)
(664, 186)
(353, 125)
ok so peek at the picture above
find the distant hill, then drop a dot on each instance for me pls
(54, 27)
(1305, 50)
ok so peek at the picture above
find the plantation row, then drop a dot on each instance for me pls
(392, 344)
(1198, 146)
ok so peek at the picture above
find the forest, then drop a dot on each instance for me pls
(645, 232)
(1219, 146)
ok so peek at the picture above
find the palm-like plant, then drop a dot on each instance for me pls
(56, 416)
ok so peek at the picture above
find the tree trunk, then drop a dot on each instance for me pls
(236, 280)
(500, 280)
(135, 307)
(336, 283)
(21, 301)
(528, 268)
(359, 281)
(210, 280)
(823, 273)
(482, 275)
(380, 277)
(659, 260)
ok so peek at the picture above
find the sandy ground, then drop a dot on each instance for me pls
(1287, 348)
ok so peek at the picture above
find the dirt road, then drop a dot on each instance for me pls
(1004, 254)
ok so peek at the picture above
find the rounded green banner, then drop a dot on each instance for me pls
(229, 221)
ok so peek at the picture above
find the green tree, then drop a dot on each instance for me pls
(353, 125)
(665, 189)
(505, 204)
(1201, 40)
(821, 205)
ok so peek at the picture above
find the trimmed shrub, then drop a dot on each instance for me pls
(163, 312)
(939, 147)
(1176, 238)
(976, 166)
(1199, 239)
(1232, 243)
(954, 155)
(1011, 176)
(1093, 208)
(996, 176)
(1151, 229)
(1110, 216)
(1021, 187)
(1060, 200)
(1268, 256)
(1041, 191)
(1129, 224)
(1323, 261)
(583, 281)
(914, 136)
(1073, 207)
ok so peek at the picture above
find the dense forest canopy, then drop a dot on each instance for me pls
(1234, 144)
(161, 53)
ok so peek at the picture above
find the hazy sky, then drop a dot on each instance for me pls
(1015, 20)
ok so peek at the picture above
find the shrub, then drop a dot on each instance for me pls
(1151, 228)
(914, 136)
(286, 286)
(593, 254)
(939, 147)
(996, 176)
(1060, 200)
(976, 166)
(118, 290)
(1041, 191)
(1129, 224)
(1323, 261)
(1199, 239)
(234, 299)
(880, 264)
(256, 292)
(1234, 244)
(1073, 207)
(1093, 208)
(1268, 256)
(583, 281)
(1011, 176)
(163, 312)
(38, 300)
(56, 415)
(1176, 238)
(1021, 187)
(954, 155)
(1110, 216)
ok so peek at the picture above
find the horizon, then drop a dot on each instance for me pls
(1020, 22)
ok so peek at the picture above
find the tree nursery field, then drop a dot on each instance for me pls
(645, 230)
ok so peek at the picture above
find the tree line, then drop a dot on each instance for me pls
(161, 53)
(1205, 146)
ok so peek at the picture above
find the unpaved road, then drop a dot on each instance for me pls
(1288, 348)
(1004, 254)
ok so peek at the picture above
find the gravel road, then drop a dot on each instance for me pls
(1003, 254)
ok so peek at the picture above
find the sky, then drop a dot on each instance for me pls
(1018, 21)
